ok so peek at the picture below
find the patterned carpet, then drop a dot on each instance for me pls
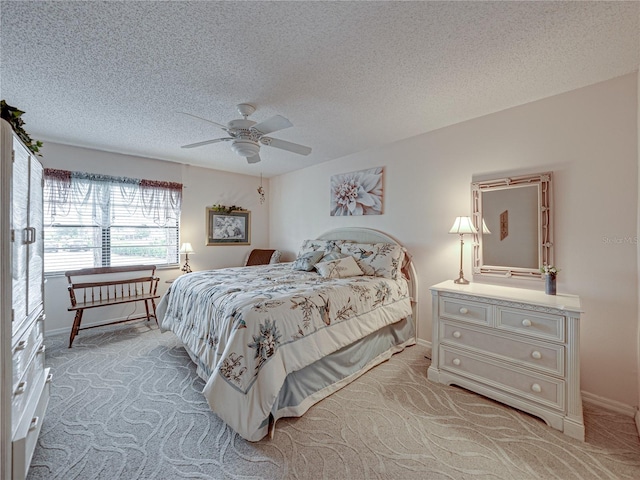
(126, 404)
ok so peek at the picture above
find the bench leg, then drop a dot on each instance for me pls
(146, 306)
(76, 326)
(153, 304)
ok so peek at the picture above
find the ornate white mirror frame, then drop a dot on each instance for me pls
(538, 188)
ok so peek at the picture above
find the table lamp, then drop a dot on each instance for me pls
(461, 226)
(186, 248)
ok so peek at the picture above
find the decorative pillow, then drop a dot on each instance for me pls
(334, 255)
(324, 246)
(306, 261)
(275, 258)
(377, 259)
(340, 268)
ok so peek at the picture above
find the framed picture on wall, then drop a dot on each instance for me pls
(228, 228)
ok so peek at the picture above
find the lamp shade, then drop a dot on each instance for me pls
(463, 225)
(186, 248)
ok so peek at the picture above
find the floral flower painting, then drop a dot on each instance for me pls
(357, 193)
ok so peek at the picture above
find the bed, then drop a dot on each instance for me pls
(272, 340)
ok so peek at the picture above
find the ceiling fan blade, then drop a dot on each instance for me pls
(255, 159)
(223, 127)
(277, 122)
(206, 142)
(284, 145)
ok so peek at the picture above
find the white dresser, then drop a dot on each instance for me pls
(25, 380)
(517, 346)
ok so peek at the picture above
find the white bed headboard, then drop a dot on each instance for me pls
(368, 235)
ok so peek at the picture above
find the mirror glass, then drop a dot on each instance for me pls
(513, 219)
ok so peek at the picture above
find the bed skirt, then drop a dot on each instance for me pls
(306, 387)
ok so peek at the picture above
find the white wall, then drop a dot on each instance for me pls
(638, 235)
(202, 188)
(587, 137)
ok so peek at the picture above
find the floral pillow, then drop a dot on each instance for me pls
(324, 246)
(334, 255)
(340, 268)
(307, 261)
(377, 259)
(275, 257)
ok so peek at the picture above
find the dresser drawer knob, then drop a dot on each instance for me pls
(536, 388)
(22, 344)
(456, 361)
(464, 310)
(42, 348)
(457, 334)
(536, 354)
(526, 322)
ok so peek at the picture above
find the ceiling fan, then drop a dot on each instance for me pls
(246, 136)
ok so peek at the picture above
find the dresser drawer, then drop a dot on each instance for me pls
(465, 311)
(532, 324)
(544, 357)
(26, 347)
(539, 388)
(25, 388)
(24, 442)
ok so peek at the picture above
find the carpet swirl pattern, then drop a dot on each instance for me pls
(126, 404)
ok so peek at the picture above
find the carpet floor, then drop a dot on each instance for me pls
(126, 403)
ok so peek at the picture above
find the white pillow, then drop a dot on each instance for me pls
(378, 259)
(306, 261)
(334, 255)
(340, 268)
(275, 257)
(324, 246)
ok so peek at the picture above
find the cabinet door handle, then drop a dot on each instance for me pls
(29, 235)
(456, 361)
(457, 334)
(526, 322)
(536, 388)
(536, 354)
(22, 387)
(22, 344)
(464, 310)
(34, 423)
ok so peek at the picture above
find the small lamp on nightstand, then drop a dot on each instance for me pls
(186, 248)
(461, 226)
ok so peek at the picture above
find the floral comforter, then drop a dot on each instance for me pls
(251, 326)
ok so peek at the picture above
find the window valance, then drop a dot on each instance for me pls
(70, 192)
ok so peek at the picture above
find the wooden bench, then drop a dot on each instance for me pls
(106, 286)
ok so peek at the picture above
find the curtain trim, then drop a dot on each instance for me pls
(66, 175)
(60, 175)
(160, 184)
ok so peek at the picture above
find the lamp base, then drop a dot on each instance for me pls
(186, 268)
(461, 281)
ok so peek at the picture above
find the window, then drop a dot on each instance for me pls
(99, 221)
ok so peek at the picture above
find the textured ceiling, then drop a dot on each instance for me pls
(350, 76)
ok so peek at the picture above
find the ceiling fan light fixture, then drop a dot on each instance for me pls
(245, 148)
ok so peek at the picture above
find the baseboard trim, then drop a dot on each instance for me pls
(427, 345)
(614, 405)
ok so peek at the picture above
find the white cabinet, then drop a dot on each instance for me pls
(25, 380)
(517, 346)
